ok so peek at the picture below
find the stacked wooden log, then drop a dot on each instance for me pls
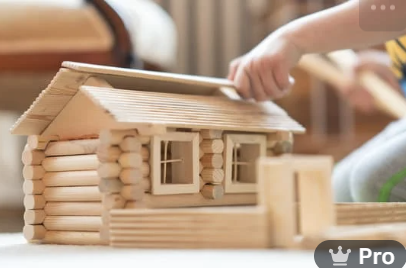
(190, 228)
(279, 143)
(124, 171)
(62, 200)
(211, 164)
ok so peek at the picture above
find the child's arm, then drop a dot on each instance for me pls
(264, 72)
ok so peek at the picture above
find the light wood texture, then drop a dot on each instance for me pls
(211, 175)
(71, 178)
(34, 201)
(131, 160)
(39, 142)
(110, 185)
(34, 187)
(73, 223)
(31, 157)
(113, 201)
(252, 148)
(108, 154)
(34, 232)
(136, 192)
(70, 163)
(209, 134)
(212, 161)
(212, 146)
(189, 170)
(72, 147)
(212, 191)
(73, 238)
(202, 183)
(32, 217)
(134, 176)
(109, 170)
(180, 111)
(33, 172)
(73, 208)
(131, 144)
(194, 228)
(72, 194)
(115, 137)
(193, 200)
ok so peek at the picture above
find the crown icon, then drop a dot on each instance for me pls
(340, 259)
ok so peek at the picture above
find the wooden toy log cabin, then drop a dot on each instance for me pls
(103, 138)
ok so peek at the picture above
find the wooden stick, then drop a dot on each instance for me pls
(108, 154)
(212, 146)
(34, 202)
(109, 170)
(110, 185)
(134, 175)
(73, 208)
(131, 160)
(34, 217)
(131, 144)
(113, 201)
(134, 192)
(211, 134)
(71, 178)
(211, 175)
(71, 163)
(212, 161)
(72, 147)
(72, 194)
(213, 191)
(115, 137)
(202, 183)
(33, 172)
(40, 142)
(73, 223)
(73, 238)
(30, 157)
(34, 232)
(34, 187)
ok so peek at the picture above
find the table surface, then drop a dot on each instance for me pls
(15, 252)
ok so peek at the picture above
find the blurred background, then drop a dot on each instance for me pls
(185, 36)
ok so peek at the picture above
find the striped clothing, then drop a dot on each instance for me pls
(397, 51)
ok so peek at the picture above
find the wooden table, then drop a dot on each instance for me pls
(15, 252)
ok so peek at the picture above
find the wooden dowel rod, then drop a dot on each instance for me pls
(108, 154)
(113, 201)
(131, 144)
(110, 185)
(73, 147)
(40, 142)
(109, 170)
(73, 223)
(115, 137)
(210, 175)
(133, 160)
(135, 192)
(72, 194)
(70, 163)
(211, 134)
(30, 157)
(73, 208)
(213, 191)
(34, 232)
(34, 202)
(71, 178)
(73, 238)
(34, 187)
(34, 217)
(212, 161)
(134, 176)
(33, 172)
(212, 146)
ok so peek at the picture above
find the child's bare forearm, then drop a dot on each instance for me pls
(339, 27)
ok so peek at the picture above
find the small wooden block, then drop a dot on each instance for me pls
(202, 183)
(212, 146)
(211, 134)
(108, 154)
(40, 142)
(212, 191)
(130, 160)
(109, 170)
(115, 137)
(34, 232)
(110, 185)
(33, 172)
(72, 194)
(131, 144)
(30, 157)
(134, 175)
(72, 147)
(70, 163)
(133, 192)
(71, 178)
(113, 201)
(33, 187)
(34, 202)
(74, 238)
(34, 216)
(211, 175)
(212, 161)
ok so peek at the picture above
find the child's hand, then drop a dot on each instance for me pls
(263, 73)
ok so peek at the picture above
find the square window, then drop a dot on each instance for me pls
(175, 163)
(241, 153)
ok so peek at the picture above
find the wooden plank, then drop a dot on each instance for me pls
(72, 194)
(73, 238)
(30, 157)
(72, 147)
(34, 232)
(73, 208)
(34, 187)
(71, 178)
(34, 201)
(212, 191)
(33, 172)
(73, 223)
(70, 163)
(32, 217)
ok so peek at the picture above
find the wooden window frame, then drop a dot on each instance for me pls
(230, 140)
(170, 189)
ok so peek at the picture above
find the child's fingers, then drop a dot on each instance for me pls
(233, 68)
(257, 86)
(282, 80)
(242, 82)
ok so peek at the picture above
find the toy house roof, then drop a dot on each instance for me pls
(73, 103)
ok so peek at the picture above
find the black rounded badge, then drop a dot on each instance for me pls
(356, 254)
